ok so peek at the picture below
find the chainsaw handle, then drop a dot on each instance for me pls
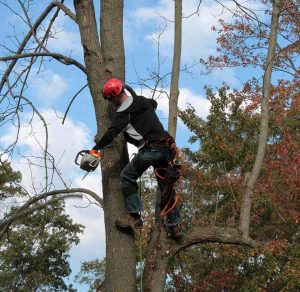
(81, 153)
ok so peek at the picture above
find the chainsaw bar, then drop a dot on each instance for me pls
(85, 175)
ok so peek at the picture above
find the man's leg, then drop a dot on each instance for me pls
(129, 176)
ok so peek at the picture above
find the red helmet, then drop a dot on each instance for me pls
(112, 87)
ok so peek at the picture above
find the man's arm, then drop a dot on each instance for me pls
(118, 125)
(153, 103)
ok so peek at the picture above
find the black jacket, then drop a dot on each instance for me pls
(137, 119)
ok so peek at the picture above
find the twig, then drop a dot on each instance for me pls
(73, 98)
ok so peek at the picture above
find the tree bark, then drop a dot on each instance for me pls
(244, 223)
(161, 250)
(157, 261)
(174, 89)
(120, 273)
(102, 64)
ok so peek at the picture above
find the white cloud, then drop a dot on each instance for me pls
(48, 86)
(67, 37)
(226, 75)
(186, 97)
(64, 142)
(92, 241)
(198, 40)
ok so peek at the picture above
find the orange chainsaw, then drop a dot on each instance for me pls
(90, 160)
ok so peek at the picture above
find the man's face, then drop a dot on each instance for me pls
(117, 100)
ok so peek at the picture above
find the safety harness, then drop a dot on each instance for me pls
(170, 175)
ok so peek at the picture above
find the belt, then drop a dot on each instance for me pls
(153, 146)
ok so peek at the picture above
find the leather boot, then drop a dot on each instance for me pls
(130, 223)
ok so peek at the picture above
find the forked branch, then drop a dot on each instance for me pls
(65, 9)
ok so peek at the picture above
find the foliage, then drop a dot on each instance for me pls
(243, 41)
(34, 252)
(217, 170)
(92, 274)
(9, 181)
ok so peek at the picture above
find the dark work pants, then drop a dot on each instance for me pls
(134, 169)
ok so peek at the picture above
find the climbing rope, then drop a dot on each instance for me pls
(174, 167)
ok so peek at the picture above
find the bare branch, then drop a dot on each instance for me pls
(59, 57)
(244, 224)
(45, 126)
(174, 89)
(41, 207)
(73, 98)
(65, 9)
(8, 221)
(195, 12)
(22, 45)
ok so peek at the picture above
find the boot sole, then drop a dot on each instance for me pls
(127, 226)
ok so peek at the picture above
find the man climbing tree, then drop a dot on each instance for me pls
(136, 118)
(104, 58)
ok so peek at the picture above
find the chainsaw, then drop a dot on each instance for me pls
(90, 160)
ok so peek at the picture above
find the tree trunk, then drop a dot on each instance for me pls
(161, 250)
(157, 260)
(174, 89)
(101, 65)
(244, 223)
(156, 263)
(120, 273)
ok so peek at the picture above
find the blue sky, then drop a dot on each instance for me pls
(52, 89)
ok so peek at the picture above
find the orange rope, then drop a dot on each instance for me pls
(167, 209)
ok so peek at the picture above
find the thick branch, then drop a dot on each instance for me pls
(161, 250)
(39, 207)
(66, 10)
(8, 221)
(174, 90)
(213, 235)
(61, 58)
(92, 54)
(244, 223)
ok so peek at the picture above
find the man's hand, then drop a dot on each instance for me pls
(95, 153)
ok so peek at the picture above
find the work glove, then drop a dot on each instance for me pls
(95, 152)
